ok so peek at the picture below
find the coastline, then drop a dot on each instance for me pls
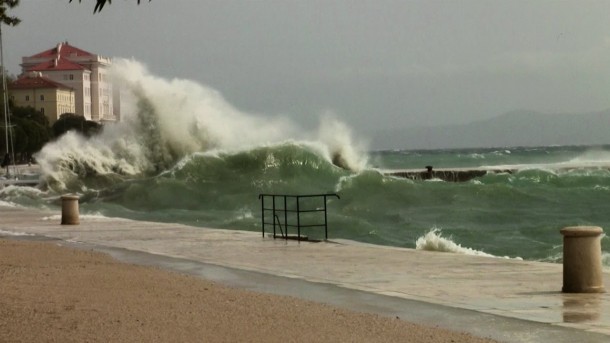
(510, 301)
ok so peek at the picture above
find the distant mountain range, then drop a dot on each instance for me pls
(518, 128)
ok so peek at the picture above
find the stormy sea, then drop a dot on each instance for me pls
(182, 154)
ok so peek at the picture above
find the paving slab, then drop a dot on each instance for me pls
(511, 296)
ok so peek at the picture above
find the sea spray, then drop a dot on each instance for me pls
(164, 121)
(191, 117)
(592, 155)
(336, 137)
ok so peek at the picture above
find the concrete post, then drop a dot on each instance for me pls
(69, 210)
(582, 259)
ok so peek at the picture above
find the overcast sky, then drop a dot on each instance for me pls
(376, 64)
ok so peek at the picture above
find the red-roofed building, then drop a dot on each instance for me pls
(82, 71)
(63, 49)
(56, 64)
(49, 97)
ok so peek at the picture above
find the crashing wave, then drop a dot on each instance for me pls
(433, 240)
(164, 121)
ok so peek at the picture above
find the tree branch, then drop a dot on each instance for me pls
(99, 4)
(4, 17)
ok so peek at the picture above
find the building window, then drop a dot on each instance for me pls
(27, 98)
(42, 97)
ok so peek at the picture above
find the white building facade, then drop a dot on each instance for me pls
(86, 73)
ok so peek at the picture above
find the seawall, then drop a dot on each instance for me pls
(449, 175)
(467, 174)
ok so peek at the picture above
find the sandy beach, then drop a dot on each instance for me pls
(51, 293)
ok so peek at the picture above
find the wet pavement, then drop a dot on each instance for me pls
(508, 300)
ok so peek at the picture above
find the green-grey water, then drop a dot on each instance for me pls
(184, 155)
(515, 215)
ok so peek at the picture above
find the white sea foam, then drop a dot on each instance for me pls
(52, 217)
(97, 216)
(17, 196)
(16, 191)
(589, 162)
(243, 213)
(592, 156)
(433, 240)
(162, 121)
(7, 204)
(558, 258)
(12, 233)
(344, 181)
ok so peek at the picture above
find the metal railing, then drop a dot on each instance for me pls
(281, 207)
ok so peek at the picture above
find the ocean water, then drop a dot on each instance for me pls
(182, 154)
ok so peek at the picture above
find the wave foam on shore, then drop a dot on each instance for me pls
(433, 240)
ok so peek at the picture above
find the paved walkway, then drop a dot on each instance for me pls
(525, 295)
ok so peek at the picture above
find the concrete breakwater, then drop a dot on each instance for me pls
(449, 175)
(467, 174)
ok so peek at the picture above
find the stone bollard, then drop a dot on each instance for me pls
(69, 210)
(582, 259)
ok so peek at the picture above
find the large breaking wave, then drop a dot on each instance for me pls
(165, 121)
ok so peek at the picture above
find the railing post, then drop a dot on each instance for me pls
(262, 196)
(325, 221)
(285, 217)
(298, 220)
(273, 215)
